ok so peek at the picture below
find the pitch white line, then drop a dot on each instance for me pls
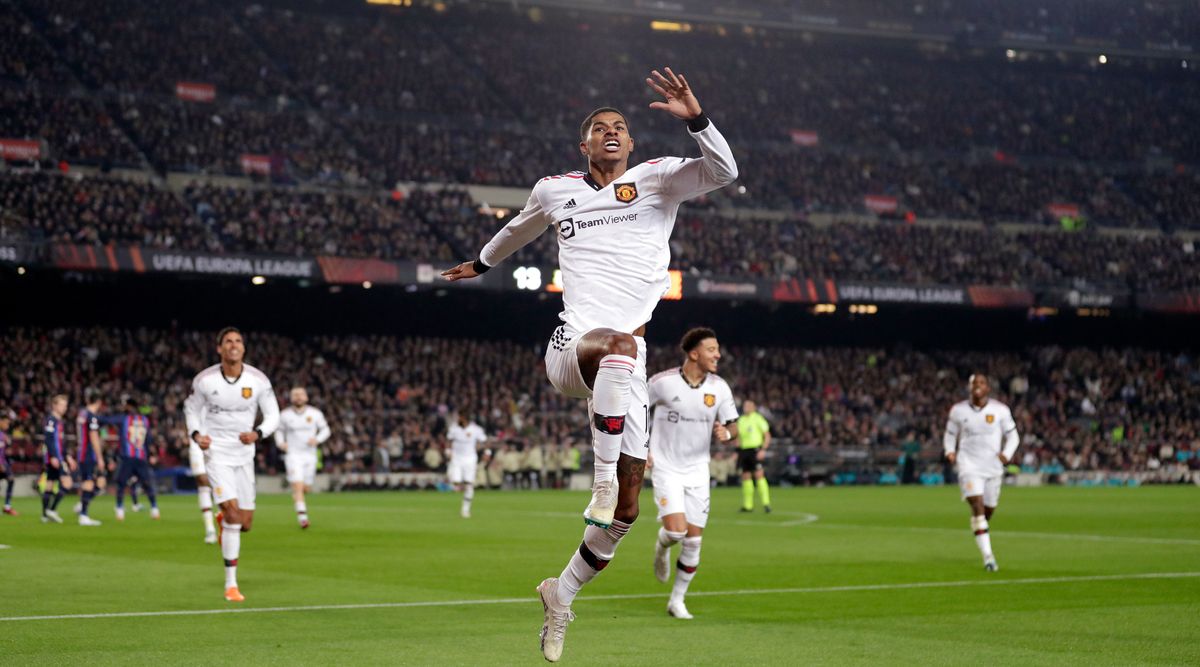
(637, 596)
(804, 518)
(4, 546)
(1001, 533)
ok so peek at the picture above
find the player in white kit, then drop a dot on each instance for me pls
(302, 428)
(465, 437)
(220, 414)
(613, 224)
(981, 438)
(691, 406)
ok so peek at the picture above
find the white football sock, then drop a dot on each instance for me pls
(685, 567)
(598, 547)
(611, 395)
(983, 539)
(667, 538)
(468, 496)
(231, 545)
(204, 496)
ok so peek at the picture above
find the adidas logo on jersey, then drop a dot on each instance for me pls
(675, 400)
(570, 204)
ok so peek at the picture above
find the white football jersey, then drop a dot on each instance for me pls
(224, 408)
(613, 240)
(684, 415)
(297, 427)
(980, 434)
(464, 442)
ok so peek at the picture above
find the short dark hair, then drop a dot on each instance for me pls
(694, 337)
(586, 127)
(225, 332)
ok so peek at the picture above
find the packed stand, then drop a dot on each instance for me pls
(389, 399)
(446, 224)
(70, 128)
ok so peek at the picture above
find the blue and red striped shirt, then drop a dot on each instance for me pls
(85, 424)
(134, 435)
(54, 441)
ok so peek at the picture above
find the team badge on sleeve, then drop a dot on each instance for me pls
(626, 192)
(990, 418)
(710, 400)
(247, 392)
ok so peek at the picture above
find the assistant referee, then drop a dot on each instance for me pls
(754, 436)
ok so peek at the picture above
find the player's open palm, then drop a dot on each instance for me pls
(678, 98)
(460, 272)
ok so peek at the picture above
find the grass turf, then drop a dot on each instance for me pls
(846, 576)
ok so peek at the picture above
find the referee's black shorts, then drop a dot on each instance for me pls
(748, 460)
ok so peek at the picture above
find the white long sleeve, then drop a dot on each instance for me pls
(691, 177)
(193, 412)
(323, 431)
(950, 440)
(520, 231)
(270, 412)
(1011, 441)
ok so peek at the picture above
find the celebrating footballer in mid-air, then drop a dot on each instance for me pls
(613, 224)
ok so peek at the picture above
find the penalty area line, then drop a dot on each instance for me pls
(637, 596)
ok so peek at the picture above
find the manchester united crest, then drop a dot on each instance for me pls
(710, 400)
(626, 192)
(990, 418)
(247, 392)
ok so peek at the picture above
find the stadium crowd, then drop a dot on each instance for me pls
(371, 98)
(389, 399)
(443, 224)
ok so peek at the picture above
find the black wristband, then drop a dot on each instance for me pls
(698, 123)
(194, 434)
(260, 435)
(479, 267)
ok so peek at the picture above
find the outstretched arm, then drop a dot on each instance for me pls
(716, 168)
(527, 226)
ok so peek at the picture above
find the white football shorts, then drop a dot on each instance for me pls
(675, 494)
(978, 485)
(562, 369)
(301, 468)
(233, 483)
(461, 470)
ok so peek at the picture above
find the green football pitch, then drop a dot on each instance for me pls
(833, 576)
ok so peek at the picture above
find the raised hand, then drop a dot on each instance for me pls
(679, 100)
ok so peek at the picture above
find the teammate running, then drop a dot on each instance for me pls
(691, 405)
(465, 437)
(301, 429)
(220, 415)
(981, 438)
